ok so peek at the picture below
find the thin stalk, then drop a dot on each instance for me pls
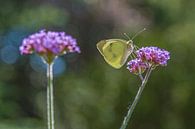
(136, 100)
(141, 77)
(50, 103)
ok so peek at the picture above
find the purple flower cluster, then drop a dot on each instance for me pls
(49, 43)
(153, 55)
(136, 66)
(146, 57)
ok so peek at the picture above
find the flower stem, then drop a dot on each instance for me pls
(136, 100)
(50, 103)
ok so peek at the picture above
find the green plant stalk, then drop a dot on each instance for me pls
(50, 103)
(136, 100)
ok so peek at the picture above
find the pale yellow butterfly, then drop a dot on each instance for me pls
(116, 51)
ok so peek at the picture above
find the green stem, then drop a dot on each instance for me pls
(136, 100)
(50, 103)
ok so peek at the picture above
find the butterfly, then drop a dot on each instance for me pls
(115, 51)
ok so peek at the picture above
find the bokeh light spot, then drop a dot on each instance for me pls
(59, 66)
(9, 54)
(38, 65)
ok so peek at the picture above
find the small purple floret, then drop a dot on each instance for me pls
(136, 66)
(153, 55)
(49, 43)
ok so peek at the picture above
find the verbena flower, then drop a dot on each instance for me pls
(49, 44)
(153, 55)
(136, 66)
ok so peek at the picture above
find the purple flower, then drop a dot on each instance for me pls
(136, 66)
(153, 55)
(49, 44)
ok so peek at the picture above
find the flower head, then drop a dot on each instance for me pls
(49, 44)
(153, 55)
(136, 66)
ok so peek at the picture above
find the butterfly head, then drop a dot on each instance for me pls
(130, 42)
(130, 45)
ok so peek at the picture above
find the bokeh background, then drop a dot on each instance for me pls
(89, 94)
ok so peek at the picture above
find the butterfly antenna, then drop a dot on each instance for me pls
(138, 33)
(136, 47)
(125, 34)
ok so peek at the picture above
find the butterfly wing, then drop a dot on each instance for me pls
(115, 51)
(100, 46)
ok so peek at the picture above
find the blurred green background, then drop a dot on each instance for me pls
(89, 94)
